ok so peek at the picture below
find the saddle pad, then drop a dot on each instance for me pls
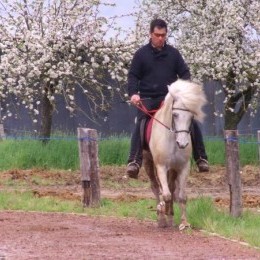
(148, 125)
(148, 131)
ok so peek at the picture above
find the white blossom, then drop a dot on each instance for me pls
(36, 112)
(219, 40)
(47, 52)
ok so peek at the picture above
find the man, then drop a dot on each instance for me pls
(155, 66)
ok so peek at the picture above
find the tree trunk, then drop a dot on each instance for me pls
(231, 120)
(46, 117)
(237, 104)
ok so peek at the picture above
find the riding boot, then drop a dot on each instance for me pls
(198, 148)
(135, 155)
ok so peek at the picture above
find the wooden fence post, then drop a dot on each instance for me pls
(258, 142)
(89, 166)
(2, 133)
(233, 172)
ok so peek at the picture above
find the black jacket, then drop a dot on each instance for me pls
(152, 71)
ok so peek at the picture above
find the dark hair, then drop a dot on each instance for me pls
(157, 23)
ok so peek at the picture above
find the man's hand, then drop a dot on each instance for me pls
(135, 99)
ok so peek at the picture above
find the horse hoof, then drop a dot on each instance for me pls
(184, 226)
(162, 223)
(170, 223)
(161, 207)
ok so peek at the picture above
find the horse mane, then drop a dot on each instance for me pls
(190, 94)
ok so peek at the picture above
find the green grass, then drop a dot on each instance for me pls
(205, 216)
(63, 153)
(114, 150)
(28, 202)
(248, 151)
(27, 154)
(215, 151)
(201, 212)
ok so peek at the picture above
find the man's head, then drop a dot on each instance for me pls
(158, 32)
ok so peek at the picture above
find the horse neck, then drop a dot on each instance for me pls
(165, 113)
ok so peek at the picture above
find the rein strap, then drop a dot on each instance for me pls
(150, 113)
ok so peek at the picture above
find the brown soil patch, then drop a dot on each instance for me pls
(67, 184)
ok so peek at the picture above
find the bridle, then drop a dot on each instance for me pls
(172, 129)
(173, 125)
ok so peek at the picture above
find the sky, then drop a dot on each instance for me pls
(123, 7)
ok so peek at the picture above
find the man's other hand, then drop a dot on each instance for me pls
(135, 99)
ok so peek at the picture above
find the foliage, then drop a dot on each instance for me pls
(220, 40)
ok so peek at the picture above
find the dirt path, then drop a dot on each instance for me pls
(65, 236)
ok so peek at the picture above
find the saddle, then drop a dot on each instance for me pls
(146, 126)
(146, 130)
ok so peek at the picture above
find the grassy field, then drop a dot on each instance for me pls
(63, 153)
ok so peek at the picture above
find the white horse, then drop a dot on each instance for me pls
(168, 161)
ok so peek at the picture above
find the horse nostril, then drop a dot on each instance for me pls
(183, 145)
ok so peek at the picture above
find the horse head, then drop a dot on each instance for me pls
(188, 99)
(181, 124)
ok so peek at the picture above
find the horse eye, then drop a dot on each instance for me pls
(174, 114)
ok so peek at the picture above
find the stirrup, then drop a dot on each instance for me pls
(133, 170)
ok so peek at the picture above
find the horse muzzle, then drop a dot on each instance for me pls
(183, 140)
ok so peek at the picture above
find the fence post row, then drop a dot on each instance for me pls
(89, 166)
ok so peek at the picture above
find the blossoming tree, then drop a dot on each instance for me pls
(220, 40)
(49, 48)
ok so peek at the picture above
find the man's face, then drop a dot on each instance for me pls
(158, 37)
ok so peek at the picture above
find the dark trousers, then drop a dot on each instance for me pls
(135, 155)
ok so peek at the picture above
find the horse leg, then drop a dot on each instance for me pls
(171, 183)
(165, 207)
(161, 215)
(162, 176)
(181, 197)
(150, 171)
